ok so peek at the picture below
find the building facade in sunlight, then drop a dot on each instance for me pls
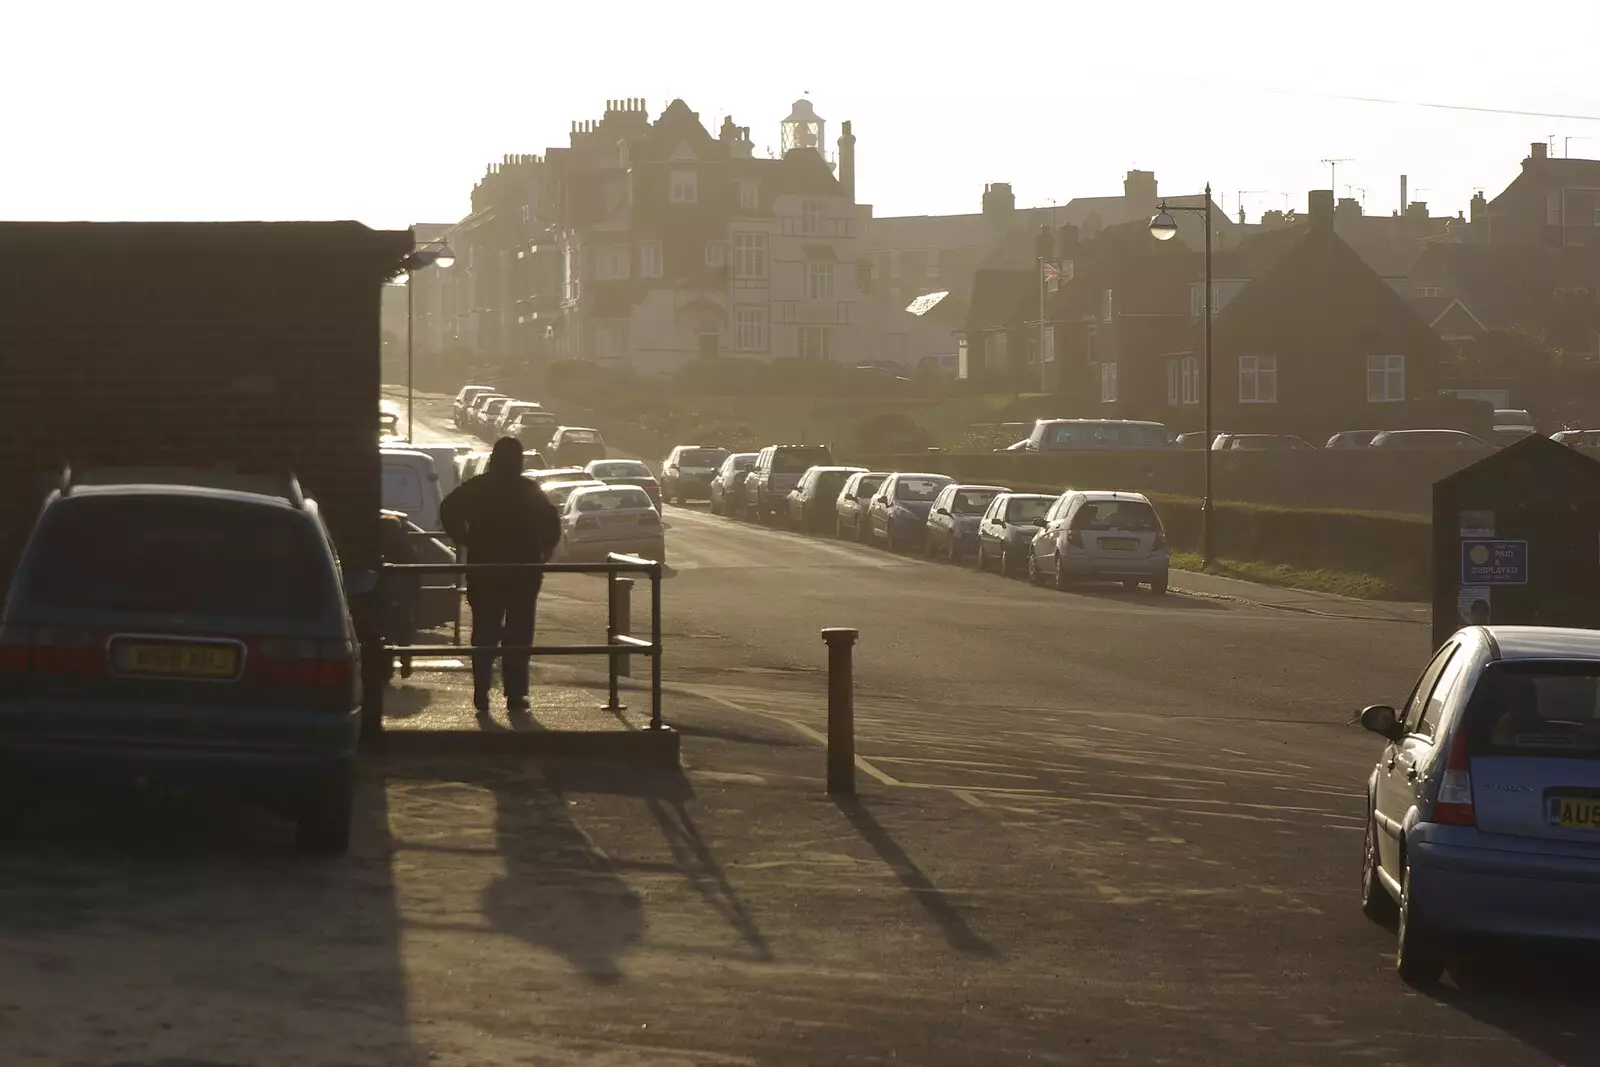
(650, 243)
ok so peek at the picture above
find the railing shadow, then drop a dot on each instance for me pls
(939, 907)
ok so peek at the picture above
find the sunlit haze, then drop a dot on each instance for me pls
(388, 112)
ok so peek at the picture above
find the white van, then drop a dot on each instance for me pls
(411, 485)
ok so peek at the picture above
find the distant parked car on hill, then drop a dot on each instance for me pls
(1067, 435)
(1419, 440)
(1259, 442)
(1352, 439)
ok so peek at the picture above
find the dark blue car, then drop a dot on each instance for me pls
(898, 514)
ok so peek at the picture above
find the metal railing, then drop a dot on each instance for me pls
(619, 645)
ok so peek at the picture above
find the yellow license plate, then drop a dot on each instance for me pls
(1575, 813)
(183, 661)
(1118, 542)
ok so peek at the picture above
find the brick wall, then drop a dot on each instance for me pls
(255, 343)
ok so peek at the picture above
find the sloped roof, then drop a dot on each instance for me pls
(1509, 285)
(995, 295)
(1319, 287)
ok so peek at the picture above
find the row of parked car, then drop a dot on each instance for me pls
(1061, 538)
(489, 414)
(1069, 435)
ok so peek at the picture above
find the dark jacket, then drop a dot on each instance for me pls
(501, 517)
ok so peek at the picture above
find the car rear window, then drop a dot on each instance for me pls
(973, 501)
(579, 437)
(613, 500)
(1117, 434)
(918, 488)
(629, 469)
(701, 457)
(402, 488)
(1116, 515)
(1026, 510)
(180, 555)
(799, 460)
(1536, 709)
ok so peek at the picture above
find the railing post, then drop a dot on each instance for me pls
(841, 709)
(621, 609)
(655, 641)
(460, 583)
(614, 703)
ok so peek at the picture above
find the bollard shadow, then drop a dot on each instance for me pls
(939, 907)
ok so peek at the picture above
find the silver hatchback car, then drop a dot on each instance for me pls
(1100, 536)
(1484, 808)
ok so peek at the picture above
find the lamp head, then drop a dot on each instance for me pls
(1163, 227)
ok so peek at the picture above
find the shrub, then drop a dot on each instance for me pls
(890, 431)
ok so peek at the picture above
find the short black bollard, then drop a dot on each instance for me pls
(841, 709)
(622, 611)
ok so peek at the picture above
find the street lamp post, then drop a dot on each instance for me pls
(442, 258)
(1164, 228)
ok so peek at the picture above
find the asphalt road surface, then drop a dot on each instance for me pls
(1182, 767)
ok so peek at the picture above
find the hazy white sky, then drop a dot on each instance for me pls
(388, 112)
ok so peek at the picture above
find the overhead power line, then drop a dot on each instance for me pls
(1395, 102)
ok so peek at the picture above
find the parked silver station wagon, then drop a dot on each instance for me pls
(1484, 808)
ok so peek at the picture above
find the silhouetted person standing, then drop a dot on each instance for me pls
(502, 517)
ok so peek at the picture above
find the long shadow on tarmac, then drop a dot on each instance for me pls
(943, 912)
(1542, 995)
(129, 922)
(565, 894)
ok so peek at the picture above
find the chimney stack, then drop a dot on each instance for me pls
(1319, 206)
(1538, 151)
(998, 199)
(847, 161)
(1403, 190)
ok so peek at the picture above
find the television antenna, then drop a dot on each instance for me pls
(1333, 170)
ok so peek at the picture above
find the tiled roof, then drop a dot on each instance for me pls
(995, 295)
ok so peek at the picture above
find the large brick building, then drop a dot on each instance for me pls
(649, 243)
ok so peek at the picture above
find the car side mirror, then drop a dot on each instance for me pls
(1039, 522)
(944, 511)
(1382, 720)
(360, 583)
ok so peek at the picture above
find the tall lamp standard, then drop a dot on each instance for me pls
(1164, 228)
(427, 256)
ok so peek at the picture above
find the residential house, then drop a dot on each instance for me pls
(1553, 202)
(905, 257)
(1305, 337)
(1497, 306)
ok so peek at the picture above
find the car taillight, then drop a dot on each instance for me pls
(301, 661)
(16, 649)
(649, 518)
(67, 651)
(1159, 543)
(1454, 802)
(587, 522)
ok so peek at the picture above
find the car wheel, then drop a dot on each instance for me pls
(1130, 584)
(322, 826)
(1159, 585)
(838, 528)
(1420, 961)
(929, 550)
(863, 531)
(1034, 577)
(1376, 903)
(888, 538)
(978, 560)
(1059, 579)
(716, 505)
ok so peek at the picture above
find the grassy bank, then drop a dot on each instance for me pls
(1358, 584)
